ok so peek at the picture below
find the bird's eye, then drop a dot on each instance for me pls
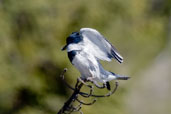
(77, 33)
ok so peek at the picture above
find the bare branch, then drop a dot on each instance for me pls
(62, 76)
(69, 107)
(81, 102)
(106, 95)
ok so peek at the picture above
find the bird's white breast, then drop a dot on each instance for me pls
(86, 64)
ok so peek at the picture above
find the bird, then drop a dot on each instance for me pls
(86, 48)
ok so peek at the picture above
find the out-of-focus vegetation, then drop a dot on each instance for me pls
(32, 33)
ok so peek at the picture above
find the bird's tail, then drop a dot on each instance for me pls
(123, 78)
(120, 77)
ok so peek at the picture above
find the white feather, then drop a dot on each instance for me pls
(89, 67)
(93, 48)
(97, 45)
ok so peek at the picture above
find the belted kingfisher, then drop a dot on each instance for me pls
(85, 49)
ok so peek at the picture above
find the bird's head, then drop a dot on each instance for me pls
(74, 38)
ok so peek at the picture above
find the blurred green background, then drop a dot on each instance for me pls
(32, 33)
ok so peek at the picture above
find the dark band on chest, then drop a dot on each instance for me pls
(71, 55)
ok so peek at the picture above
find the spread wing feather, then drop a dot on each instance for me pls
(97, 45)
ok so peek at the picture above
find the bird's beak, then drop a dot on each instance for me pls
(64, 48)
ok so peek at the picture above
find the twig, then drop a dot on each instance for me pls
(70, 100)
(68, 106)
(81, 102)
(106, 95)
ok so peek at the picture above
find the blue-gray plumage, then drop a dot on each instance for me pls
(71, 55)
(75, 37)
(85, 49)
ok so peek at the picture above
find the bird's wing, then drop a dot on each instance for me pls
(97, 45)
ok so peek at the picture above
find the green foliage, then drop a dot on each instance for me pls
(32, 32)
